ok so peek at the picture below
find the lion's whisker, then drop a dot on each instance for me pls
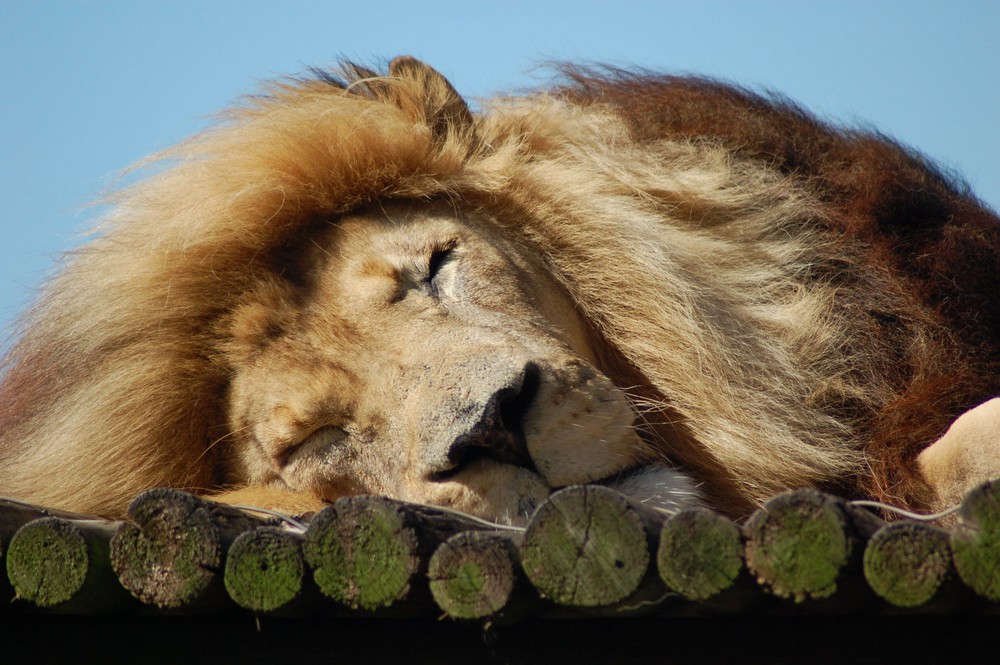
(220, 439)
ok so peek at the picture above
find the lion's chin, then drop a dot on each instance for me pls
(659, 487)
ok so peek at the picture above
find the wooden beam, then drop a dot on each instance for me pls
(266, 572)
(909, 564)
(589, 546)
(62, 565)
(477, 575)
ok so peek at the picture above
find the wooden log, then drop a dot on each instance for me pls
(588, 546)
(806, 546)
(62, 565)
(266, 572)
(908, 563)
(174, 553)
(477, 575)
(371, 553)
(701, 557)
(13, 515)
(700, 553)
(975, 541)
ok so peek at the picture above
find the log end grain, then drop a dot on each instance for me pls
(474, 575)
(798, 544)
(586, 547)
(264, 570)
(906, 563)
(700, 554)
(362, 553)
(172, 552)
(47, 562)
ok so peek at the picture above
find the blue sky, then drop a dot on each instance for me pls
(90, 87)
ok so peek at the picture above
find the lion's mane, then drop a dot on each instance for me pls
(802, 304)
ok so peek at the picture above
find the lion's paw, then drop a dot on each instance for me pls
(967, 455)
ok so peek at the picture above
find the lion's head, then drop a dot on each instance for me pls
(421, 353)
(356, 284)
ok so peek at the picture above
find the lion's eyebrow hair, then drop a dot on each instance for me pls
(220, 439)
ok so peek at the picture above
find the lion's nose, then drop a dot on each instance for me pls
(499, 433)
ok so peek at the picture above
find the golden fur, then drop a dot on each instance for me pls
(720, 293)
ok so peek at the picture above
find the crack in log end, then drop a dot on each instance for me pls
(586, 547)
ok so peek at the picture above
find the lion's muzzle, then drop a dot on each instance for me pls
(487, 424)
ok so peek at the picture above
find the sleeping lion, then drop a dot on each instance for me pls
(680, 289)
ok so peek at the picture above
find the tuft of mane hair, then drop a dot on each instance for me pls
(818, 303)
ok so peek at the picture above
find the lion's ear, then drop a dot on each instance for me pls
(444, 108)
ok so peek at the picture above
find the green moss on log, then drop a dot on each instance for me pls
(907, 562)
(586, 547)
(975, 542)
(362, 553)
(47, 562)
(264, 569)
(473, 575)
(798, 545)
(700, 554)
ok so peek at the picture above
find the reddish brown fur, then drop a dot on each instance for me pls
(931, 236)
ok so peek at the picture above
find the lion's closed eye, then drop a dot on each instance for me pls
(439, 258)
